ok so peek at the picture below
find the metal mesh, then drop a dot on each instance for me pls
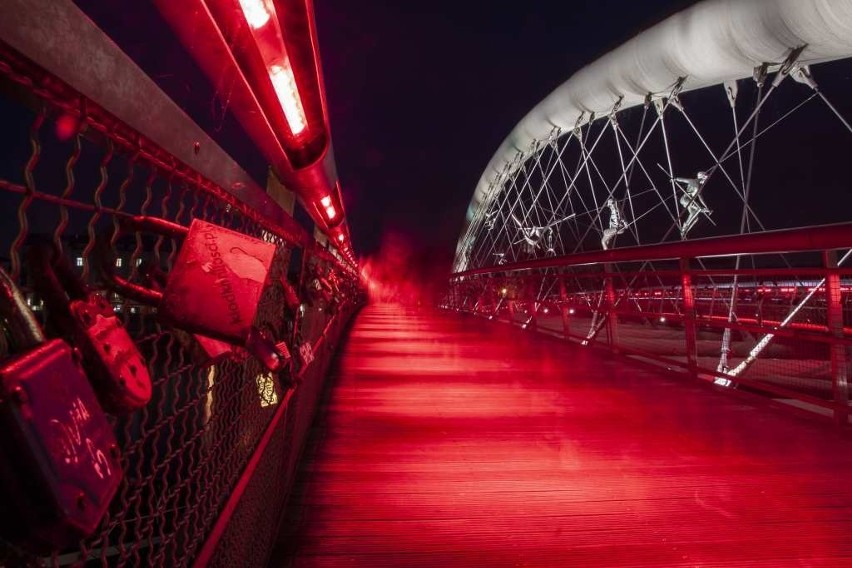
(74, 171)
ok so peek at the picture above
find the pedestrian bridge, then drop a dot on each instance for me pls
(640, 358)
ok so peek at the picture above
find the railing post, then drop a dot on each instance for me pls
(610, 299)
(510, 300)
(834, 317)
(456, 306)
(532, 297)
(563, 308)
(688, 298)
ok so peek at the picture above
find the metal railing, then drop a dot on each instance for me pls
(209, 461)
(769, 312)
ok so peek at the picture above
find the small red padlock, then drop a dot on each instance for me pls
(112, 361)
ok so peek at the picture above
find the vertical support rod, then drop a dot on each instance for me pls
(834, 316)
(455, 292)
(532, 299)
(610, 299)
(688, 298)
(563, 308)
(510, 300)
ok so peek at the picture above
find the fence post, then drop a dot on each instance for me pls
(688, 298)
(834, 317)
(532, 299)
(611, 317)
(510, 300)
(563, 308)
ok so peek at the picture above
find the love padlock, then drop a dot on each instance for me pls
(203, 350)
(224, 285)
(111, 359)
(59, 464)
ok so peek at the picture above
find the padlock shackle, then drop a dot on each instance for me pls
(57, 283)
(135, 292)
(55, 279)
(106, 264)
(23, 327)
(146, 224)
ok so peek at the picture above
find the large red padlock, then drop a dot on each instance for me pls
(203, 350)
(111, 359)
(223, 284)
(59, 466)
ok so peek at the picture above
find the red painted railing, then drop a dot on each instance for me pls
(731, 310)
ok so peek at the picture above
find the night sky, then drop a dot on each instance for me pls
(421, 94)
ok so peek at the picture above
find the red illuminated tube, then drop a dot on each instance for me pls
(266, 31)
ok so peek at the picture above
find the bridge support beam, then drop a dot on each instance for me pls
(834, 317)
(688, 297)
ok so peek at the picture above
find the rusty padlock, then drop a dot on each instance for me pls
(88, 321)
(224, 285)
(59, 466)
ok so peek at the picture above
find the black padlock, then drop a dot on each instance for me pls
(111, 359)
(59, 466)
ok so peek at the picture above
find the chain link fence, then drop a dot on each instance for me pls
(208, 462)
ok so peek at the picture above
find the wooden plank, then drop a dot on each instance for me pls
(451, 442)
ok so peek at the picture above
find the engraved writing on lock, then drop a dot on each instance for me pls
(70, 440)
(219, 269)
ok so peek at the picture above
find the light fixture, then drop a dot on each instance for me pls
(284, 83)
(255, 12)
(270, 43)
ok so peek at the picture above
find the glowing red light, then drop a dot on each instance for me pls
(331, 212)
(340, 238)
(325, 201)
(66, 127)
(255, 12)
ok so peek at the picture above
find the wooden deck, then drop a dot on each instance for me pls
(447, 441)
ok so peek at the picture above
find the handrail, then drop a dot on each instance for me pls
(826, 237)
(790, 349)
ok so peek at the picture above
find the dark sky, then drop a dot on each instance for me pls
(421, 94)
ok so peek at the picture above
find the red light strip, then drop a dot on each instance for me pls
(270, 43)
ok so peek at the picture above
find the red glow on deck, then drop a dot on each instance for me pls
(453, 442)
